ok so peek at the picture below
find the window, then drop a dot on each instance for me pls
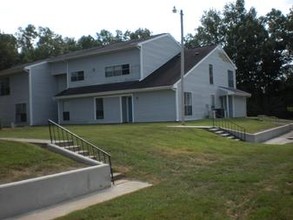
(117, 70)
(187, 103)
(99, 109)
(77, 76)
(20, 112)
(4, 87)
(230, 78)
(66, 116)
(212, 101)
(211, 74)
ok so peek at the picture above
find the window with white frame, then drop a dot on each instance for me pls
(187, 103)
(230, 78)
(117, 70)
(211, 74)
(77, 76)
(99, 108)
(4, 87)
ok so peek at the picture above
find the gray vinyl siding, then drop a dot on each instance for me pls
(154, 106)
(82, 110)
(157, 52)
(19, 93)
(197, 82)
(43, 89)
(61, 82)
(239, 106)
(94, 68)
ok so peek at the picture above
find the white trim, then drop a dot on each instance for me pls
(95, 106)
(67, 74)
(121, 114)
(177, 104)
(33, 65)
(113, 93)
(194, 67)
(220, 48)
(58, 113)
(30, 97)
(132, 106)
(152, 39)
(141, 63)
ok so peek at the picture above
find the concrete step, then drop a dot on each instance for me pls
(63, 143)
(118, 176)
(82, 152)
(72, 147)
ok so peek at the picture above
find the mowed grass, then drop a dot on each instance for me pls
(195, 174)
(19, 161)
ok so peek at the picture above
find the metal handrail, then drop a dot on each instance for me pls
(230, 126)
(65, 137)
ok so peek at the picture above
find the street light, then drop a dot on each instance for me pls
(182, 65)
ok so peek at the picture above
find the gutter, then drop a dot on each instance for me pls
(118, 92)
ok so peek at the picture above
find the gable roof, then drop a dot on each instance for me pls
(165, 76)
(113, 47)
(124, 45)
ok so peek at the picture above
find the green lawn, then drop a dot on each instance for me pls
(196, 174)
(19, 161)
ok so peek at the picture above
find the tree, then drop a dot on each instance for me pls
(8, 51)
(26, 41)
(86, 42)
(260, 47)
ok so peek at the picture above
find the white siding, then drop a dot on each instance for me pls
(94, 68)
(19, 93)
(82, 110)
(154, 106)
(197, 82)
(157, 52)
(43, 89)
(239, 106)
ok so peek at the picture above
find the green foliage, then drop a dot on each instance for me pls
(30, 43)
(261, 48)
(8, 50)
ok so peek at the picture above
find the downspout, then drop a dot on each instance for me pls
(28, 70)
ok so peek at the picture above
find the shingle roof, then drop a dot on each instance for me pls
(166, 75)
(82, 53)
(102, 49)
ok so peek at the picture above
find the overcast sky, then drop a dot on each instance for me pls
(74, 18)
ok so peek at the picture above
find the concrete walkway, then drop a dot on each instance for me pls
(26, 140)
(120, 188)
(283, 139)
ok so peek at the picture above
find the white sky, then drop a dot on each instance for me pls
(74, 18)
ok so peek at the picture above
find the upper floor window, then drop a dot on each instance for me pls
(4, 86)
(77, 76)
(187, 103)
(211, 74)
(117, 70)
(230, 78)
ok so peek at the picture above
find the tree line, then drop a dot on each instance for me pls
(261, 47)
(36, 43)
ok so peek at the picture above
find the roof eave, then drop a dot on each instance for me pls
(111, 93)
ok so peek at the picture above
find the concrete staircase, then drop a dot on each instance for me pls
(223, 133)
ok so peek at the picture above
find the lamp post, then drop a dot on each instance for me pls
(182, 66)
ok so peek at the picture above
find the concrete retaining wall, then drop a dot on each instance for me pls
(268, 134)
(24, 196)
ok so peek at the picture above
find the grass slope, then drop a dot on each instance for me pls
(196, 174)
(20, 161)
